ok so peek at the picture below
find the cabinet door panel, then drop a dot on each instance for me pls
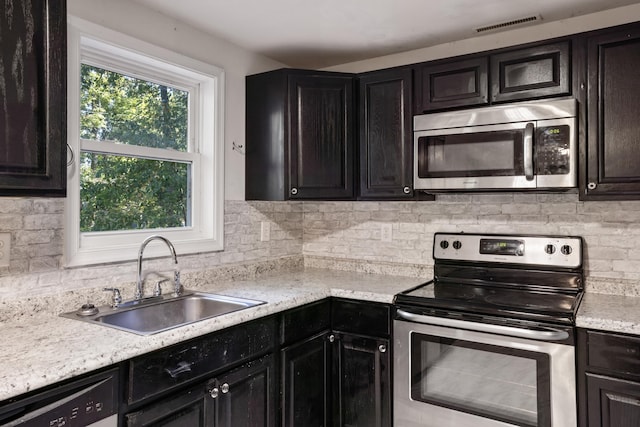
(321, 137)
(613, 152)
(612, 402)
(386, 149)
(33, 93)
(534, 72)
(247, 396)
(361, 369)
(190, 407)
(459, 83)
(306, 369)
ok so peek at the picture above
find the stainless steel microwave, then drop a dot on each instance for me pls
(525, 145)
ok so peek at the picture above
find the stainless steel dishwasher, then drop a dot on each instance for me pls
(88, 402)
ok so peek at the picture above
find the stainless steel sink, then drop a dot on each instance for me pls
(164, 314)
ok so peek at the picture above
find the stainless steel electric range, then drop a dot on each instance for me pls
(490, 340)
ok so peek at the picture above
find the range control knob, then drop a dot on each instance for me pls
(550, 249)
(444, 244)
(566, 250)
(457, 244)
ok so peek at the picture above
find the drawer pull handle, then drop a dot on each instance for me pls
(181, 368)
(224, 388)
(214, 392)
(382, 348)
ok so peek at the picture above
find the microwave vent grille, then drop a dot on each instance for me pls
(512, 23)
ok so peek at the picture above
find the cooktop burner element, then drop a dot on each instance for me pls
(523, 277)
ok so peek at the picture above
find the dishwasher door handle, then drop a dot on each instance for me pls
(540, 334)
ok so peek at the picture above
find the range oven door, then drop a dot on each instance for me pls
(454, 377)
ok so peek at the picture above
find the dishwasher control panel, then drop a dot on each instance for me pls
(81, 403)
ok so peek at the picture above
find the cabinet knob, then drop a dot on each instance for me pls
(382, 348)
(406, 190)
(214, 392)
(294, 191)
(332, 338)
(592, 186)
(224, 388)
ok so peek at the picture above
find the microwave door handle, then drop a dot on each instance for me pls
(528, 151)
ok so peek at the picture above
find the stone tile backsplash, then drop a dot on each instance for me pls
(352, 230)
(341, 235)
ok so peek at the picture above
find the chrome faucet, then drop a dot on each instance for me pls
(177, 291)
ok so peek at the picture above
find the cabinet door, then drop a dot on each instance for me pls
(363, 382)
(612, 402)
(613, 104)
(306, 382)
(321, 149)
(459, 83)
(247, 396)
(386, 140)
(535, 72)
(33, 93)
(193, 406)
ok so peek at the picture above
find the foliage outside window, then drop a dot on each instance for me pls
(121, 192)
(145, 126)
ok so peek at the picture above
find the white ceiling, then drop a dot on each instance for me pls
(322, 33)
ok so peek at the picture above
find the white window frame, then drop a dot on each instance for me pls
(94, 45)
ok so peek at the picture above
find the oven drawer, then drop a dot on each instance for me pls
(615, 353)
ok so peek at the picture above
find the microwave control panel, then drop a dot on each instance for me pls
(553, 150)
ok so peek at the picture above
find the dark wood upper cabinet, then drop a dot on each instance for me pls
(534, 72)
(386, 138)
(611, 161)
(451, 83)
(300, 136)
(33, 94)
(321, 141)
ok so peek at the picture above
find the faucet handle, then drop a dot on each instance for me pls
(157, 289)
(116, 297)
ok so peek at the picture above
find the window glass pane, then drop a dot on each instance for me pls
(116, 107)
(128, 193)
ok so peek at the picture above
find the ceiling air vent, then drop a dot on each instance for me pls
(513, 23)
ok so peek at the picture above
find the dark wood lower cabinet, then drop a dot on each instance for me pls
(362, 381)
(341, 376)
(306, 382)
(612, 402)
(247, 395)
(243, 397)
(608, 379)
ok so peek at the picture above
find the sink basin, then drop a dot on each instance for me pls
(153, 317)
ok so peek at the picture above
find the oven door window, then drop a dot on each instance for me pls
(505, 384)
(494, 153)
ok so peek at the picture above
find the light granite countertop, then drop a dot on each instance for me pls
(611, 313)
(43, 349)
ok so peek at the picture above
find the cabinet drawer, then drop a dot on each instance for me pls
(165, 369)
(365, 318)
(617, 353)
(305, 321)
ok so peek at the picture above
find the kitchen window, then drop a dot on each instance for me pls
(146, 152)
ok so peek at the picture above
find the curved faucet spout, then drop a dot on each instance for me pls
(176, 275)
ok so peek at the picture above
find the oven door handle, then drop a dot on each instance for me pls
(542, 334)
(528, 151)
